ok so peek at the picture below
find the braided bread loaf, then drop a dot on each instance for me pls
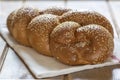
(72, 37)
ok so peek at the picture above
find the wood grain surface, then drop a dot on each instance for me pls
(115, 10)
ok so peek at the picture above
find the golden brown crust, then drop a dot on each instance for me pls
(21, 19)
(56, 11)
(90, 44)
(10, 21)
(39, 30)
(86, 18)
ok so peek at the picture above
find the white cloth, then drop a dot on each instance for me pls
(42, 66)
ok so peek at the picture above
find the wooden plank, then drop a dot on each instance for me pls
(115, 9)
(0, 12)
(3, 52)
(45, 4)
(99, 6)
(116, 74)
(113, 0)
(7, 7)
(2, 45)
(87, 0)
(3, 56)
(13, 68)
(104, 73)
(67, 77)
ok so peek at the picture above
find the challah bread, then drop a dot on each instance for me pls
(86, 18)
(71, 37)
(39, 30)
(74, 45)
(56, 10)
(18, 21)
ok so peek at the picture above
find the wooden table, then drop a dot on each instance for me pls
(11, 66)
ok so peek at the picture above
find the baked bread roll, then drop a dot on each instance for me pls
(17, 22)
(56, 11)
(86, 18)
(75, 45)
(39, 30)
